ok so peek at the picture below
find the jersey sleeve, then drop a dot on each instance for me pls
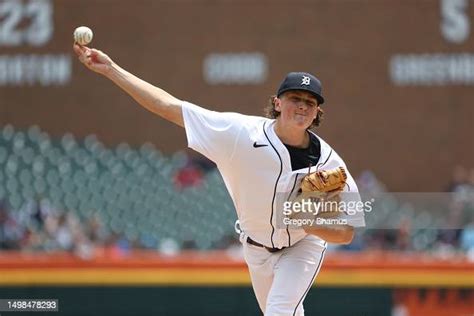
(213, 134)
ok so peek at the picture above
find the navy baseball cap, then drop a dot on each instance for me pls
(302, 81)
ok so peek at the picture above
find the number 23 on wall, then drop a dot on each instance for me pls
(25, 22)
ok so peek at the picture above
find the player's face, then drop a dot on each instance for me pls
(297, 108)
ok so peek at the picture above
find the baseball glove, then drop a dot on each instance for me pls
(322, 187)
(325, 186)
(324, 180)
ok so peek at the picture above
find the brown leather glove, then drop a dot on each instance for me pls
(324, 180)
(325, 185)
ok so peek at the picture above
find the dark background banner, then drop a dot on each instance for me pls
(197, 301)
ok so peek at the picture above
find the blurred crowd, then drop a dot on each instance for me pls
(39, 226)
(454, 236)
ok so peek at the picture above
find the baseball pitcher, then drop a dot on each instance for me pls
(266, 163)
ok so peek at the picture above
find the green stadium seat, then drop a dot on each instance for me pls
(106, 157)
(28, 193)
(64, 166)
(93, 185)
(44, 143)
(26, 178)
(131, 159)
(18, 142)
(55, 193)
(15, 201)
(149, 152)
(27, 155)
(80, 178)
(71, 201)
(52, 177)
(40, 186)
(39, 166)
(3, 192)
(68, 143)
(3, 154)
(142, 169)
(91, 167)
(79, 155)
(53, 155)
(93, 145)
(12, 165)
(34, 133)
(8, 132)
(67, 185)
(117, 168)
(122, 149)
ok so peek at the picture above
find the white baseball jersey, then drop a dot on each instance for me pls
(256, 169)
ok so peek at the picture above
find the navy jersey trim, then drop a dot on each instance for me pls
(348, 187)
(320, 165)
(276, 182)
(312, 279)
(327, 159)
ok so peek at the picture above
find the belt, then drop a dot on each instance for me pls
(253, 242)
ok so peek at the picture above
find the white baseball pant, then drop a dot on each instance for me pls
(282, 279)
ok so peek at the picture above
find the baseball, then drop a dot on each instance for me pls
(83, 35)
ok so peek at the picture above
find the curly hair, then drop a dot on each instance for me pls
(270, 112)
